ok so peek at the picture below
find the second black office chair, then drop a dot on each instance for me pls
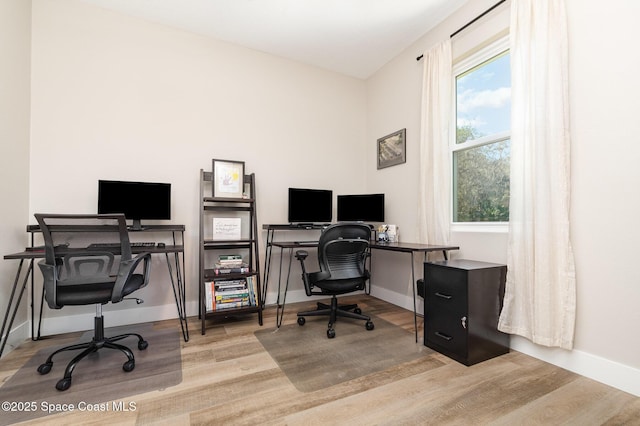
(342, 252)
(83, 276)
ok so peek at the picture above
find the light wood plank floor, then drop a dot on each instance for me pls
(228, 378)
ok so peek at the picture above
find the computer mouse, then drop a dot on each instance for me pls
(161, 245)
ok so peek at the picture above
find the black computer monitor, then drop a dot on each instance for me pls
(310, 205)
(361, 208)
(137, 200)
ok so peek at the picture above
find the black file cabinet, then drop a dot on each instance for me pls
(462, 304)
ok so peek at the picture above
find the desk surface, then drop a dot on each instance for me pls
(402, 246)
(93, 228)
(39, 254)
(409, 247)
(294, 227)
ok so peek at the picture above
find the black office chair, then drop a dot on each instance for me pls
(342, 252)
(84, 276)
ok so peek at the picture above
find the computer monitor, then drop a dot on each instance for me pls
(137, 200)
(361, 208)
(310, 205)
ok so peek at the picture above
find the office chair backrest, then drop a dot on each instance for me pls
(68, 266)
(342, 250)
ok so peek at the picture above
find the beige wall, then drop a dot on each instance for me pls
(15, 40)
(605, 158)
(120, 98)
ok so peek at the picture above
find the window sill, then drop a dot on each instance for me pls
(492, 227)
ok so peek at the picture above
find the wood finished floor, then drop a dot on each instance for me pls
(228, 378)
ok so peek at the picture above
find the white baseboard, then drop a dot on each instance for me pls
(398, 299)
(603, 370)
(137, 315)
(16, 337)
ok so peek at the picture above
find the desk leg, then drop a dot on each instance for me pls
(413, 286)
(279, 311)
(177, 285)
(267, 267)
(7, 326)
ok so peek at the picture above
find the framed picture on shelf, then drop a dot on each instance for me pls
(392, 149)
(228, 179)
(227, 228)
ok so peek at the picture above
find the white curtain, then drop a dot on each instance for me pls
(539, 303)
(437, 93)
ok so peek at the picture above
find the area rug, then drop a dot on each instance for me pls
(99, 378)
(312, 361)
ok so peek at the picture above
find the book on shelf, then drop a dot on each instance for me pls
(230, 261)
(229, 293)
(221, 270)
(235, 262)
(227, 257)
(251, 286)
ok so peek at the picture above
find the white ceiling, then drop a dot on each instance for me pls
(352, 37)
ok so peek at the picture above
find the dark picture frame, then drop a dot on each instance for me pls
(228, 179)
(392, 149)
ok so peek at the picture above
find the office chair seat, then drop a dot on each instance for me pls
(70, 293)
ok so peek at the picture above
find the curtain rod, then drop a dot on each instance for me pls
(465, 26)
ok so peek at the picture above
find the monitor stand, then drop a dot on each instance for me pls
(136, 226)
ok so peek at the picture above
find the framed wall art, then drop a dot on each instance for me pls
(392, 149)
(228, 179)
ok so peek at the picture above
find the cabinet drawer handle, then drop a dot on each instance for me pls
(443, 336)
(444, 296)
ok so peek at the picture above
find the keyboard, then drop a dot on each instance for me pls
(117, 245)
(148, 244)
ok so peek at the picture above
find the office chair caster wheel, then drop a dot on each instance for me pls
(301, 320)
(63, 384)
(357, 311)
(45, 368)
(129, 365)
(143, 344)
(331, 333)
(369, 325)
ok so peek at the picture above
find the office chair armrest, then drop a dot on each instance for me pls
(308, 279)
(126, 270)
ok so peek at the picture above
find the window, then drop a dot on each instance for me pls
(481, 150)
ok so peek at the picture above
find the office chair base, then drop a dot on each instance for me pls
(98, 342)
(334, 311)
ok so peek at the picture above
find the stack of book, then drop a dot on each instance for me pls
(230, 264)
(230, 293)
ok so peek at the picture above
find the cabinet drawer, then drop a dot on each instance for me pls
(449, 338)
(446, 282)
